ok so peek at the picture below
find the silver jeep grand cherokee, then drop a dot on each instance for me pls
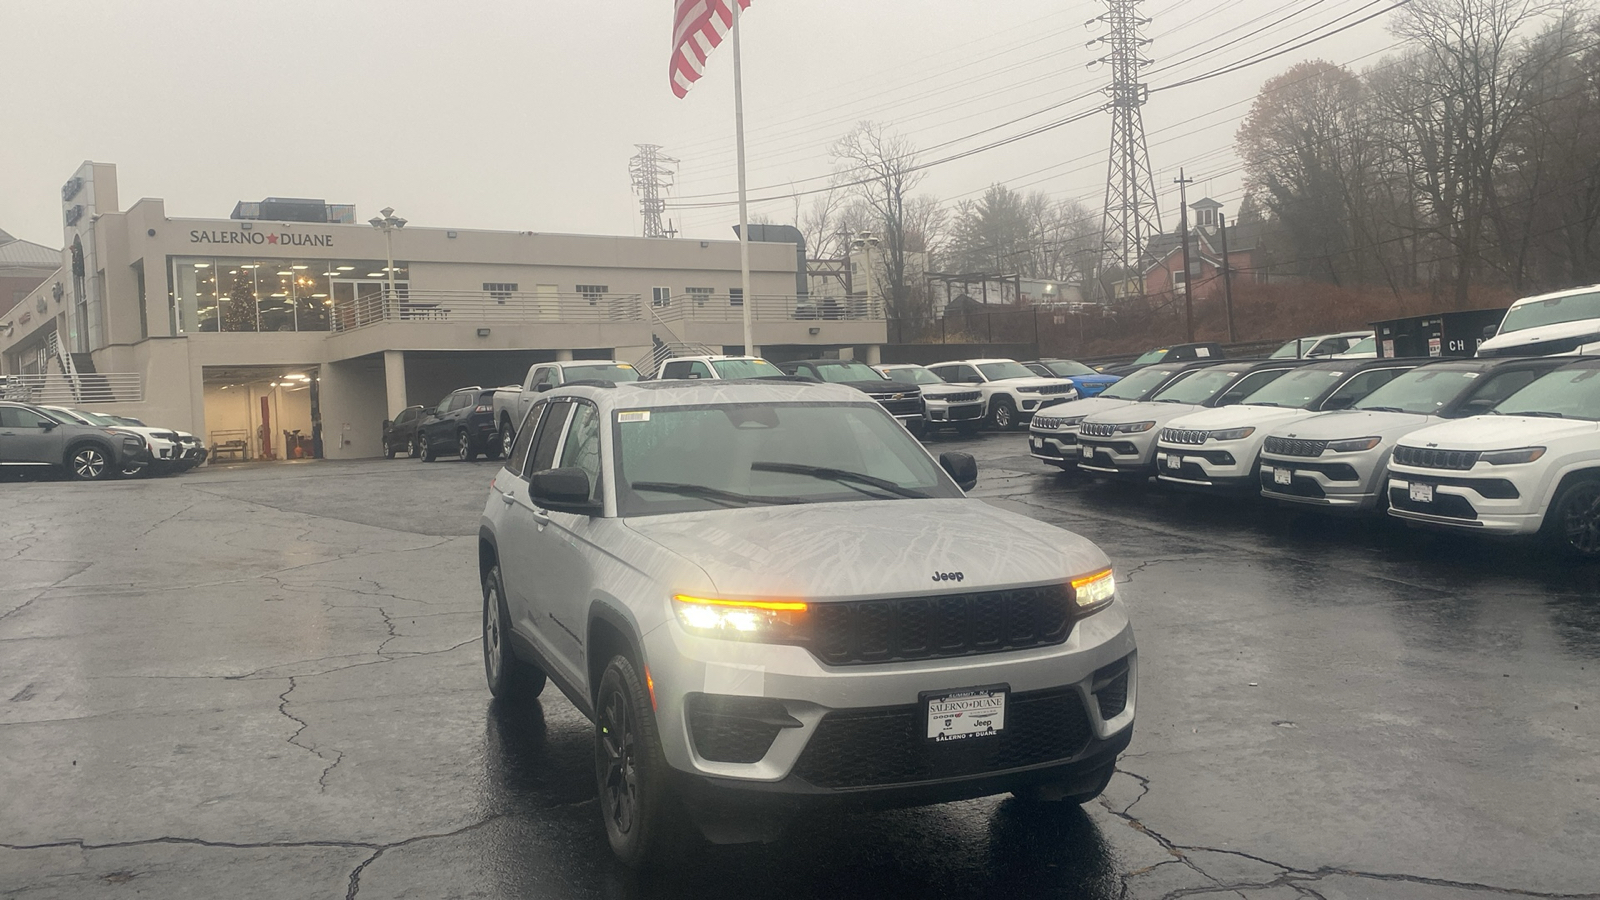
(770, 598)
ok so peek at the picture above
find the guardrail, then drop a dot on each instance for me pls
(86, 387)
(711, 307)
(489, 307)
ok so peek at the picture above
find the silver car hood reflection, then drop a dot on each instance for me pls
(874, 548)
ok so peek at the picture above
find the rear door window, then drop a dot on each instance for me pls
(548, 437)
(519, 450)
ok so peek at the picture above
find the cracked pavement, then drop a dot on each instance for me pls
(265, 681)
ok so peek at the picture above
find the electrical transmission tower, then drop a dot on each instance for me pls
(652, 176)
(1131, 216)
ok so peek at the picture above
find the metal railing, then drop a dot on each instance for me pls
(84, 387)
(702, 307)
(489, 307)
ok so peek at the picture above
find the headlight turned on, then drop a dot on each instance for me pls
(1094, 591)
(772, 621)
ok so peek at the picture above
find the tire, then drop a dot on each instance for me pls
(508, 437)
(411, 447)
(464, 449)
(425, 450)
(89, 462)
(1004, 414)
(630, 772)
(388, 449)
(1573, 523)
(509, 677)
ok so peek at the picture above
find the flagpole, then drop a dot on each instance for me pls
(746, 299)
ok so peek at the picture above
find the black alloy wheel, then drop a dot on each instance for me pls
(424, 449)
(411, 447)
(1004, 414)
(510, 678)
(388, 448)
(89, 463)
(464, 449)
(629, 770)
(507, 439)
(1576, 520)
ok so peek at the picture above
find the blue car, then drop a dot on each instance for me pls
(1088, 382)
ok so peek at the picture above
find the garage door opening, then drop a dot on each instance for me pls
(262, 413)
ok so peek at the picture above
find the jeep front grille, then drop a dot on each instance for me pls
(1291, 447)
(1098, 429)
(1184, 436)
(1055, 389)
(874, 631)
(1429, 458)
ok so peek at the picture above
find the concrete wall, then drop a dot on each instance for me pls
(352, 399)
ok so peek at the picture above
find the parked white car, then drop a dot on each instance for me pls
(1011, 392)
(1122, 442)
(1320, 345)
(1564, 322)
(1053, 431)
(717, 367)
(1366, 348)
(1339, 461)
(166, 450)
(1530, 467)
(511, 403)
(945, 405)
(1219, 449)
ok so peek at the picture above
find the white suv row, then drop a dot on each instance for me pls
(1011, 391)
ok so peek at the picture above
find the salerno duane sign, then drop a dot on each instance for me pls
(283, 238)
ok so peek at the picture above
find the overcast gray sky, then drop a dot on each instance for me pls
(523, 115)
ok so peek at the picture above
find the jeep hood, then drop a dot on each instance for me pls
(1240, 416)
(868, 549)
(1499, 432)
(1333, 426)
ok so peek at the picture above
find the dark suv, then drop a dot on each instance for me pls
(463, 422)
(902, 400)
(35, 438)
(401, 433)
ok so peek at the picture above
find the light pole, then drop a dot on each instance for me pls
(387, 223)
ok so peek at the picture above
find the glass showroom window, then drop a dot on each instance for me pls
(238, 295)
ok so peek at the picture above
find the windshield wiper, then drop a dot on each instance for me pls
(706, 492)
(1379, 409)
(842, 476)
(1262, 403)
(1536, 413)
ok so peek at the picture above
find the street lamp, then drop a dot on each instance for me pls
(387, 223)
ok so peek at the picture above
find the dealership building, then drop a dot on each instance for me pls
(294, 324)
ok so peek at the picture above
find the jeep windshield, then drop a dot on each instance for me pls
(914, 375)
(690, 458)
(613, 372)
(1066, 368)
(1198, 387)
(1295, 390)
(1135, 386)
(1567, 394)
(1554, 311)
(745, 368)
(1421, 392)
(840, 373)
(997, 371)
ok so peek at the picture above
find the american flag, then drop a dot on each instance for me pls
(698, 26)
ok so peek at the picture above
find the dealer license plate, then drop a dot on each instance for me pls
(1421, 493)
(1282, 476)
(1174, 461)
(1037, 444)
(1087, 451)
(958, 715)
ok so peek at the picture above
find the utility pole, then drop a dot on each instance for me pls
(652, 173)
(1131, 215)
(1227, 277)
(1183, 228)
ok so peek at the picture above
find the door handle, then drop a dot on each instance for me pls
(507, 498)
(540, 516)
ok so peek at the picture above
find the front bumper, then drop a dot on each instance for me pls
(866, 714)
(1123, 455)
(1460, 500)
(954, 413)
(1217, 467)
(1058, 448)
(1343, 482)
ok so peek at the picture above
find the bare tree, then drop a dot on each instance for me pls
(880, 170)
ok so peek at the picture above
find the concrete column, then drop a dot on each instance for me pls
(755, 351)
(874, 355)
(394, 379)
(563, 356)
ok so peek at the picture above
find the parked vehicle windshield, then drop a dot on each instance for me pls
(915, 375)
(745, 368)
(837, 373)
(1135, 386)
(95, 418)
(1553, 311)
(1421, 392)
(1367, 345)
(1151, 356)
(996, 371)
(1567, 394)
(1197, 387)
(1294, 349)
(1067, 368)
(682, 459)
(1295, 390)
(614, 372)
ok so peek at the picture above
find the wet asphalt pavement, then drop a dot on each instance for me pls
(265, 681)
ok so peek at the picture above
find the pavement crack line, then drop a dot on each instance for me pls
(283, 703)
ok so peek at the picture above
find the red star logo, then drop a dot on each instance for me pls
(272, 239)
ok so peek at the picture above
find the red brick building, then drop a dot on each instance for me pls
(1165, 274)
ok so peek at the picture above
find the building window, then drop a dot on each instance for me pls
(699, 294)
(144, 314)
(220, 294)
(735, 296)
(592, 292)
(661, 296)
(499, 291)
(1205, 217)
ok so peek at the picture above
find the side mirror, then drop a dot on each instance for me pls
(47, 425)
(564, 489)
(961, 468)
(1339, 403)
(1489, 331)
(387, 424)
(972, 379)
(543, 386)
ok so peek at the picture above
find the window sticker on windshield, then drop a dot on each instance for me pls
(1202, 351)
(1472, 374)
(624, 366)
(634, 415)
